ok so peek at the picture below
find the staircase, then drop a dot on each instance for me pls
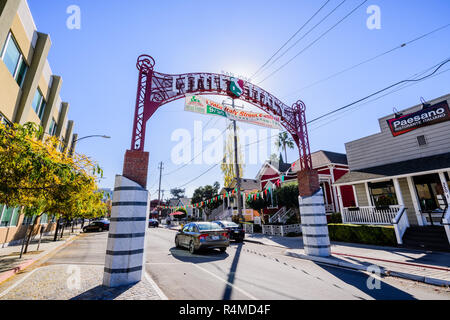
(428, 238)
(282, 215)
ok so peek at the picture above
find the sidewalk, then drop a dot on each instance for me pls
(11, 264)
(424, 266)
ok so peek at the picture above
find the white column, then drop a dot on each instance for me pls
(445, 187)
(415, 200)
(341, 204)
(398, 192)
(334, 191)
(316, 240)
(355, 195)
(369, 198)
(125, 249)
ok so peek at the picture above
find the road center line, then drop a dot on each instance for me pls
(228, 283)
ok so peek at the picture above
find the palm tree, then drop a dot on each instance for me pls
(285, 140)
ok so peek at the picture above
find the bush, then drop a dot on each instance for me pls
(257, 228)
(375, 235)
(335, 218)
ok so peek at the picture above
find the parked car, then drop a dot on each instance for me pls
(202, 235)
(99, 226)
(235, 231)
(153, 223)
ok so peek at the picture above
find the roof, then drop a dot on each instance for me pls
(435, 162)
(322, 158)
(246, 184)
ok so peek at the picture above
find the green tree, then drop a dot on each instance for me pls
(206, 193)
(284, 141)
(177, 193)
(35, 175)
(287, 196)
(258, 204)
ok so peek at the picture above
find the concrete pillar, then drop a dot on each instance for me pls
(398, 192)
(445, 187)
(51, 103)
(68, 137)
(355, 195)
(314, 225)
(62, 118)
(124, 262)
(369, 198)
(334, 189)
(415, 200)
(32, 77)
(8, 10)
(341, 203)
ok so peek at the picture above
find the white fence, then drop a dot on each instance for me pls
(369, 215)
(248, 228)
(281, 230)
(400, 223)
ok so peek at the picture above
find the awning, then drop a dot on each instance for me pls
(178, 213)
(436, 162)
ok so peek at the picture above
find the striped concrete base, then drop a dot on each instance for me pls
(126, 240)
(314, 225)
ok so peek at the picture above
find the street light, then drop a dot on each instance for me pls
(99, 136)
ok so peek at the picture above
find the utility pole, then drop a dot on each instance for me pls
(238, 178)
(160, 167)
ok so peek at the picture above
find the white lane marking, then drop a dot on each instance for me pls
(18, 282)
(228, 283)
(155, 286)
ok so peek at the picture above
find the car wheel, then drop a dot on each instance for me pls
(84, 230)
(100, 229)
(192, 247)
(223, 250)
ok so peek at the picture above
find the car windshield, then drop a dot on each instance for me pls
(208, 226)
(230, 224)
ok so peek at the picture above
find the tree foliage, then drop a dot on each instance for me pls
(177, 193)
(34, 174)
(284, 140)
(205, 193)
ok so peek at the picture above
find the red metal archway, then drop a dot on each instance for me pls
(156, 89)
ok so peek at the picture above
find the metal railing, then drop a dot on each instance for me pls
(281, 230)
(369, 215)
(276, 216)
(400, 223)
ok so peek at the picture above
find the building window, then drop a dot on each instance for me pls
(383, 194)
(38, 104)
(28, 220)
(13, 59)
(4, 120)
(8, 216)
(52, 129)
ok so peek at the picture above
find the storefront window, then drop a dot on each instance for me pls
(383, 194)
(429, 191)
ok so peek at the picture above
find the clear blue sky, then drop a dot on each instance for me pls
(97, 64)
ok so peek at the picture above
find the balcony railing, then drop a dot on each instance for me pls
(369, 215)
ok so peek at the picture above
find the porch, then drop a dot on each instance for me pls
(390, 195)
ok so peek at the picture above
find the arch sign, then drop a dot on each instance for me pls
(156, 89)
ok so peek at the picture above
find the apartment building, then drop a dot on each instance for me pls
(29, 92)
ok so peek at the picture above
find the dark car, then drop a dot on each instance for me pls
(153, 223)
(235, 231)
(99, 226)
(202, 235)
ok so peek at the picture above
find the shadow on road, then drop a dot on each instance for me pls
(360, 281)
(200, 257)
(103, 293)
(232, 273)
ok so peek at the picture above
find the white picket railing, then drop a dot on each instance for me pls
(369, 215)
(276, 216)
(248, 228)
(281, 230)
(400, 223)
(286, 215)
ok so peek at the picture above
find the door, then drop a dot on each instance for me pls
(182, 237)
(430, 194)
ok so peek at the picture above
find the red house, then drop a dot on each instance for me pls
(330, 166)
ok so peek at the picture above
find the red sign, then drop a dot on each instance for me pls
(427, 116)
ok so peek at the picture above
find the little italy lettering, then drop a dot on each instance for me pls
(425, 117)
(199, 104)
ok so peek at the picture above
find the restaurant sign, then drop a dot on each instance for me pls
(427, 116)
(200, 104)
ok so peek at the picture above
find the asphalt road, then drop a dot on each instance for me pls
(246, 271)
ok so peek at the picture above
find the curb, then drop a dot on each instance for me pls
(265, 244)
(7, 275)
(384, 271)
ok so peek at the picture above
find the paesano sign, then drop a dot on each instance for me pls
(431, 115)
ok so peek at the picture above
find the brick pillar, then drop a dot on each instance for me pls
(308, 182)
(135, 166)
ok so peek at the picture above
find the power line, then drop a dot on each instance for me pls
(379, 91)
(369, 60)
(200, 153)
(308, 32)
(205, 172)
(315, 41)
(300, 29)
